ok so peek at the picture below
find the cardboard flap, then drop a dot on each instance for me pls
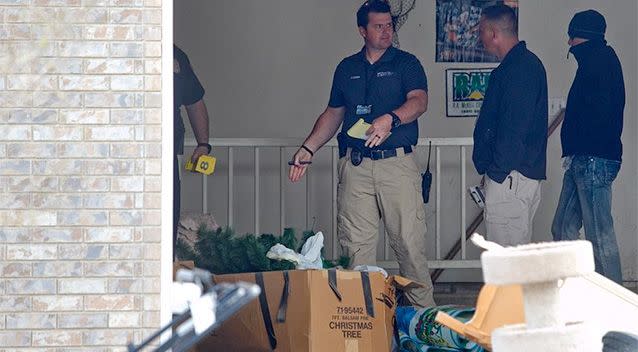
(403, 282)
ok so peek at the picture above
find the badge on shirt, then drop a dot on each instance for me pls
(364, 109)
(176, 68)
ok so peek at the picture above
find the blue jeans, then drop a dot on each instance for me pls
(585, 200)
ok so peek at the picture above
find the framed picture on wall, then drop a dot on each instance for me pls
(457, 34)
(465, 89)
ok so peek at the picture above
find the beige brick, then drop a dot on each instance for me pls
(14, 167)
(126, 286)
(3, 84)
(56, 2)
(82, 320)
(57, 201)
(56, 235)
(129, 150)
(153, 83)
(152, 184)
(57, 100)
(153, 49)
(33, 184)
(31, 150)
(110, 167)
(15, 31)
(85, 117)
(126, 218)
(127, 50)
(108, 201)
(111, 100)
(57, 269)
(126, 16)
(109, 66)
(15, 270)
(15, 339)
(32, 252)
(109, 303)
(153, 100)
(128, 184)
(152, 251)
(153, 16)
(109, 234)
(150, 319)
(82, 218)
(139, 133)
(27, 218)
(153, 66)
(152, 200)
(152, 218)
(83, 15)
(57, 133)
(127, 117)
(57, 303)
(83, 49)
(3, 153)
(139, 200)
(83, 150)
(15, 133)
(31, 82)
(124, 319)
(129, 83)
(113, 32)
(84, 83)
(153, 116)
(31, 321)
(110, 269)
(15, 304)
(58, 167)
(12, 235)
(31, 116)
(83, 252)
(57, 338)
(153, 33)
(152, 3)
(82, 286)
(85, 184)
(110, 133)
(15, 99)
(14, 201)
(57, 66)
(56, 31)
(107, 337)
(19, 14)
(30, 286)
(153, 167)
(151, 269)
(127, 3)
(128, 251)
(95, 3)
(153, 150)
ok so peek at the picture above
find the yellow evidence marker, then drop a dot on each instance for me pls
(205, 165)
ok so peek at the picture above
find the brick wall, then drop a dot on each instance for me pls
(80, 169)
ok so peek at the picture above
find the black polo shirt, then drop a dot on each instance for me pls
(383, 85)
(186, 91)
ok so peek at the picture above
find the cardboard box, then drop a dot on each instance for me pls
(312, 310)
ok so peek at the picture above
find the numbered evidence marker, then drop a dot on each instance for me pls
(205, 165)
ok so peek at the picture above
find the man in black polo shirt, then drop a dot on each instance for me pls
(189, 92)
(510, 136)
(378, 177)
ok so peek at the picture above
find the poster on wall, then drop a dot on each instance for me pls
(465, 89)
(457, 34)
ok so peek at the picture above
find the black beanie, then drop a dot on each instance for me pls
(588, 24)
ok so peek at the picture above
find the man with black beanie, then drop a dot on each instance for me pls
(590, 137)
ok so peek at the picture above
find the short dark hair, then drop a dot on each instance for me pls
(377, 6)
(504, 15)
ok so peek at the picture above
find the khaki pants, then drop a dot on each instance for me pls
(510, 207)
(388, 189)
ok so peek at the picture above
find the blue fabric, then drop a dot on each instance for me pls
(595, 104)
(511, 130)
(419, 332)
(585, 200)
(383, 85)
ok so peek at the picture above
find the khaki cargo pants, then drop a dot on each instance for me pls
(389, 189)
(510, 207)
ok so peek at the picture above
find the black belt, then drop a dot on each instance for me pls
(376, 154)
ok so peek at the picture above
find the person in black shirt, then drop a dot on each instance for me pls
(187, 91)
(378, 177)
(510, 136)
(590, 138)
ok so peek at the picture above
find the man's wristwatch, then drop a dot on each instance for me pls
(396, 121)
(207, 145)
